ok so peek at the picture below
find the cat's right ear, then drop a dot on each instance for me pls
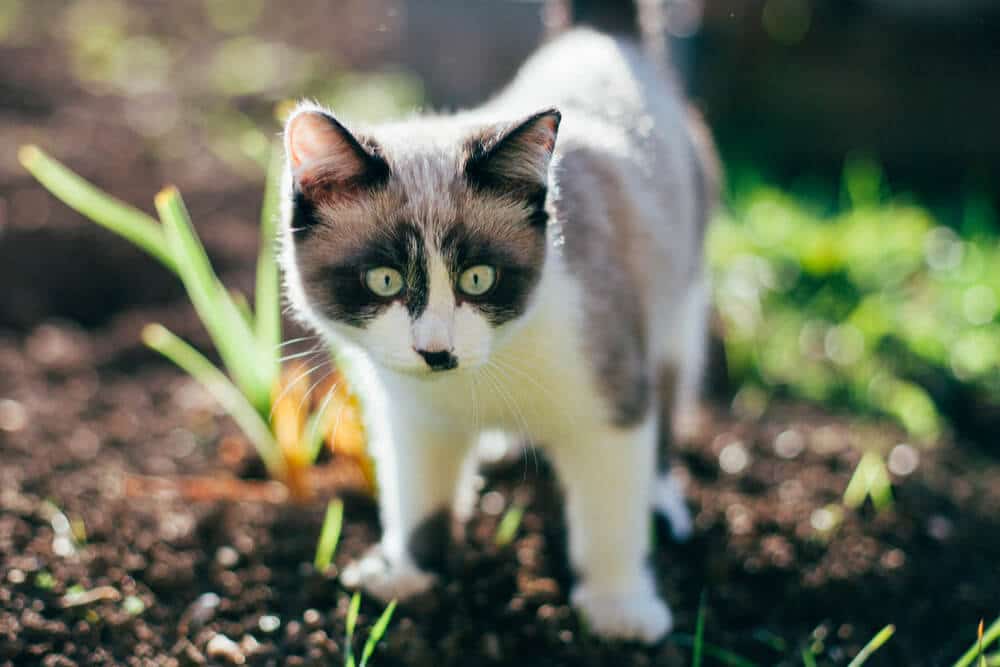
(327, 160)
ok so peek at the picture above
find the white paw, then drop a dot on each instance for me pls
(384, 580)
(641, 616)
(668, 500)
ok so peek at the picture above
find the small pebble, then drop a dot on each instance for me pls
(203, 609)
(493, 503)
(269, 623)
(312, 618)
(249, 644)
(940, 527)
(903, 460)
(221, 646)
(734, 458)
(13, 416)
(789, 444)
(227, 557)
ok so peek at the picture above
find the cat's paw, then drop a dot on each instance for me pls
(639, 616)
(668, 501)
(384, 580)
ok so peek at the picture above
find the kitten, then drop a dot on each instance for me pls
(533, 265)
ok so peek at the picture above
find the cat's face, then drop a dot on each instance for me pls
(423, 253)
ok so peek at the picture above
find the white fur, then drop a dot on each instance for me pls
(530, 376)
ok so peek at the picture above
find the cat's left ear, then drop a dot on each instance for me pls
(514, 157)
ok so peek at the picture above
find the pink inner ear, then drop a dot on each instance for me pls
(318, 150)
(543, 133)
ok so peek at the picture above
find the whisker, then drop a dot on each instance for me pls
(517, 413)
(509, 366)
(299, 355)
(287, 387)
(296, 340)
(322, 409)
(315, 384)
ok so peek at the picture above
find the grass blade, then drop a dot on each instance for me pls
(725, 656)
(507, 528)
(699, 633)
(991, 635)
(870, 479)
(107, 211)
(352, 620)
(230, 332)
(377, 631)
(808, 659)
(267, 304)
(874, 644)
(219, 386)
(329, 536)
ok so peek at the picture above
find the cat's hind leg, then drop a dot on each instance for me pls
(668, 494)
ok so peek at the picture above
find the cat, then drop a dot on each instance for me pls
(532, 265)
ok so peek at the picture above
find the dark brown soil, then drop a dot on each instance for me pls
(168, 574)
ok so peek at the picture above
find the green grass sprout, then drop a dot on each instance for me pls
(983, 642)
(509, 523)
(699, 631)
(374, 635)
(352, 620)
(722, 655)
(377, 632)
(329, 536)
(874, 644)
(870, 479)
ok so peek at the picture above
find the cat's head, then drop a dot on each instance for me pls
(421, 242)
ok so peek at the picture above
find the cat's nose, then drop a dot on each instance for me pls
(438, 360)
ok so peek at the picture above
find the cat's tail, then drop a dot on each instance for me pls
(641, 20)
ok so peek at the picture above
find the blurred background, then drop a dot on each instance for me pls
(857, 310)
(858, 136)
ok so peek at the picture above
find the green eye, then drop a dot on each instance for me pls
(384, 281)
(477, 280)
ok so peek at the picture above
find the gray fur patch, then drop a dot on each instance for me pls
(598, 250)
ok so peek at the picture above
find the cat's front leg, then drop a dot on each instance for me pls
(607, 473)
(417, 471)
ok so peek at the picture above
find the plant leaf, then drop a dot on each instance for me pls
(107, 211)
(329, 536)
(874, 644)
(268, 294)
(229, 330)
(219, 386)
(377, 631)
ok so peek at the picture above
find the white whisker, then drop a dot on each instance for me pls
(299, 355)
(287, 388)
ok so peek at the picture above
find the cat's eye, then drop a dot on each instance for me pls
(384, 281)
(477, 280)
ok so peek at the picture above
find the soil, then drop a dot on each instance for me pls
(152, 580)
(92, 575)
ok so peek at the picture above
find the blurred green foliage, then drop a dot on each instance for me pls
(872, 304)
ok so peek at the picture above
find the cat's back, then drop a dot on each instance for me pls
(632, 184)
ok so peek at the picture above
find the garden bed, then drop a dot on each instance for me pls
(91, 576)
